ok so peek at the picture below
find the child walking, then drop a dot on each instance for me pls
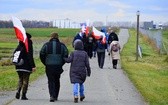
(115, 53)
(79, 69)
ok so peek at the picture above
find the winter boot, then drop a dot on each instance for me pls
(17, 95)
(24, 97)
(82, 98)
(75, 99)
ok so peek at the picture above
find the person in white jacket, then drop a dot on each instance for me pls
(115, 53)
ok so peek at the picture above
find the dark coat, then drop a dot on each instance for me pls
(52, 55)
(81, 36)
(27, 58)
(90, 40)
(80, 66)
(112, 37)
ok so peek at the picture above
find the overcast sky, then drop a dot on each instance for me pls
(82, 10)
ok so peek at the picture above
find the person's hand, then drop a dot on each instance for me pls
(33, 69)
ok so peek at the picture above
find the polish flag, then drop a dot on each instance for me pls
(98, 34)
(85, 27)
(20, 31)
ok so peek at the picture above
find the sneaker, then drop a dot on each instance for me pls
(82, 98)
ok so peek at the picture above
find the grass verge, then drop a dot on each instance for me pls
(149, 74)
(9, 78)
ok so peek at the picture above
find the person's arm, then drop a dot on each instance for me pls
(30, 54)
(88, 66)
(110, 50)
(69, 59)
(43, 54)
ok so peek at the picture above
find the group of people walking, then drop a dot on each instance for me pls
(54, 54)
(95, 46)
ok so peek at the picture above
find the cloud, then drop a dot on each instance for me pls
(119, 5)
(120, 13)
(81, 10)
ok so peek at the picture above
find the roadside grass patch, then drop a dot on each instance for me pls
(150, 73)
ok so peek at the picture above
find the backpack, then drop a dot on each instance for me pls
(115, 48)
(17, 57)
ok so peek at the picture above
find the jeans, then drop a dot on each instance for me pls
(78, 88)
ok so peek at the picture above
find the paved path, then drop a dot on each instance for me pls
(106, 86)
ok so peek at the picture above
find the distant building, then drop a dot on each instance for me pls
(148, 25)
(65, 23)
(158, 26)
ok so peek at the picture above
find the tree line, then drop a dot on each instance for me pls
(26, 24)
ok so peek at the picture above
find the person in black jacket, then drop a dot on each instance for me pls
(25, 69)
(88, 47)
(51, 55)
(112, 37)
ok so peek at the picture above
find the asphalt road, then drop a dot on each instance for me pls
(106, 86)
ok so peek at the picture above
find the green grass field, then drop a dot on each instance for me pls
(165, 40)
(8, 41)
(150, 73)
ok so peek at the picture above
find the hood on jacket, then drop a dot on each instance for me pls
(78, 44)
(103, 29)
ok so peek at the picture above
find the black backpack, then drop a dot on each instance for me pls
(17, 57)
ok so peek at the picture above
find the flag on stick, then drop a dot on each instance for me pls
(98, 34)
(20, 31)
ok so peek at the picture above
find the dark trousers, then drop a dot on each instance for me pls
(101, 57)
(114, 61)
(53, 83)
(89, 51)
(23, 81)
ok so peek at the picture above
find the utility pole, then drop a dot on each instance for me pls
(137, 42)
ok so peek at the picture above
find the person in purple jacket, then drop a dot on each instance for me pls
(79, 69)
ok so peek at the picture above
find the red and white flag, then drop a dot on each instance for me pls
(85, 27)
(98, 34)
(20, 31)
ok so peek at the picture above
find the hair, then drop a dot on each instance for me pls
(54, 35)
